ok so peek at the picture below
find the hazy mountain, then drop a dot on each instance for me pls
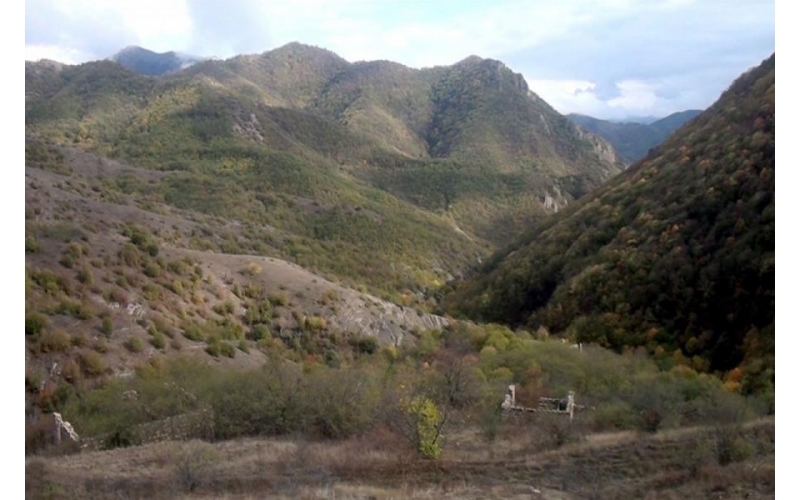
(634, 139)
(152, 63)
(677, 254)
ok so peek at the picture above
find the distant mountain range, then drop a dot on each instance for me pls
(147, 62)
(633, 140)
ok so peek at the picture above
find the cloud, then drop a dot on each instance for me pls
(221, 29)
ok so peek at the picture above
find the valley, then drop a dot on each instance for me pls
(341, 266)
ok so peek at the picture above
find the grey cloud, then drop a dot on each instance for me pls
(690, 54)
(606, 90)
(46, 25)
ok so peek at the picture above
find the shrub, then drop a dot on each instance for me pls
(227, 350)
(71, 371)
(192, 462)
(93, 364)
(365, 345)
(158, 341)
(178, 267)
(214, 347)
(152, 269)
(317, 323)
(193, 332)
(491, 418)
(75, 309)
(130, 255)
(79, 340)
(730, 445)
(31, 245)
(251, 269)
(557, 429)
(55, 341)
(85, 275)
(134, 344)
(425, 421)
(259, 332)
(106, 326)
(35, 323)
(278, 299)
(224, 309)
(101, 346)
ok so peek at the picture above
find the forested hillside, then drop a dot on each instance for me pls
(677, 254)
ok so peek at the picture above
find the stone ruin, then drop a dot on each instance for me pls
(545, 405)
(62, 430)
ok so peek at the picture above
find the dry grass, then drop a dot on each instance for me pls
(379, 466)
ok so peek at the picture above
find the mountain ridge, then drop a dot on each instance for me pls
(634, 139)
(367, 118)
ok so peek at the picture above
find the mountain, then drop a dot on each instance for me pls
(676, 254)
(147, 62)
(380, 174)
(634, 139)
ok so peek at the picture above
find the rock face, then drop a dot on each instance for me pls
(389, 325)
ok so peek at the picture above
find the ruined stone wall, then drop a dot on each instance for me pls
(194, 425)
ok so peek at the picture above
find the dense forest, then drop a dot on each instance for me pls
(676, 255)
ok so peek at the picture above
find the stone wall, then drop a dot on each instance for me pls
(194, 425)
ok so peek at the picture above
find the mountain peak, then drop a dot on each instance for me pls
(151, 63)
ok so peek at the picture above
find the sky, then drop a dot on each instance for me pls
(612, 59)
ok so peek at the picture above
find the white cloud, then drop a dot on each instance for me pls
(635, 96)
(54, 53)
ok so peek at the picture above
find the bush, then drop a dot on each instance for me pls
(93, 364)
(224, 309)
(259, 332)
(31, 245)
(75, 309)
(214, 347)
(134, 344)
(55, 341)
(425, 425)
(227, 350)
(317, 323)
(557, 430)
(158, 341)
(730, 445)
(193, 332)
(85, 275)
(192, 462)
(365, 345)
(106, 326)
(278, 299)
(152, 269)
(251, 269)
(35, 323)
